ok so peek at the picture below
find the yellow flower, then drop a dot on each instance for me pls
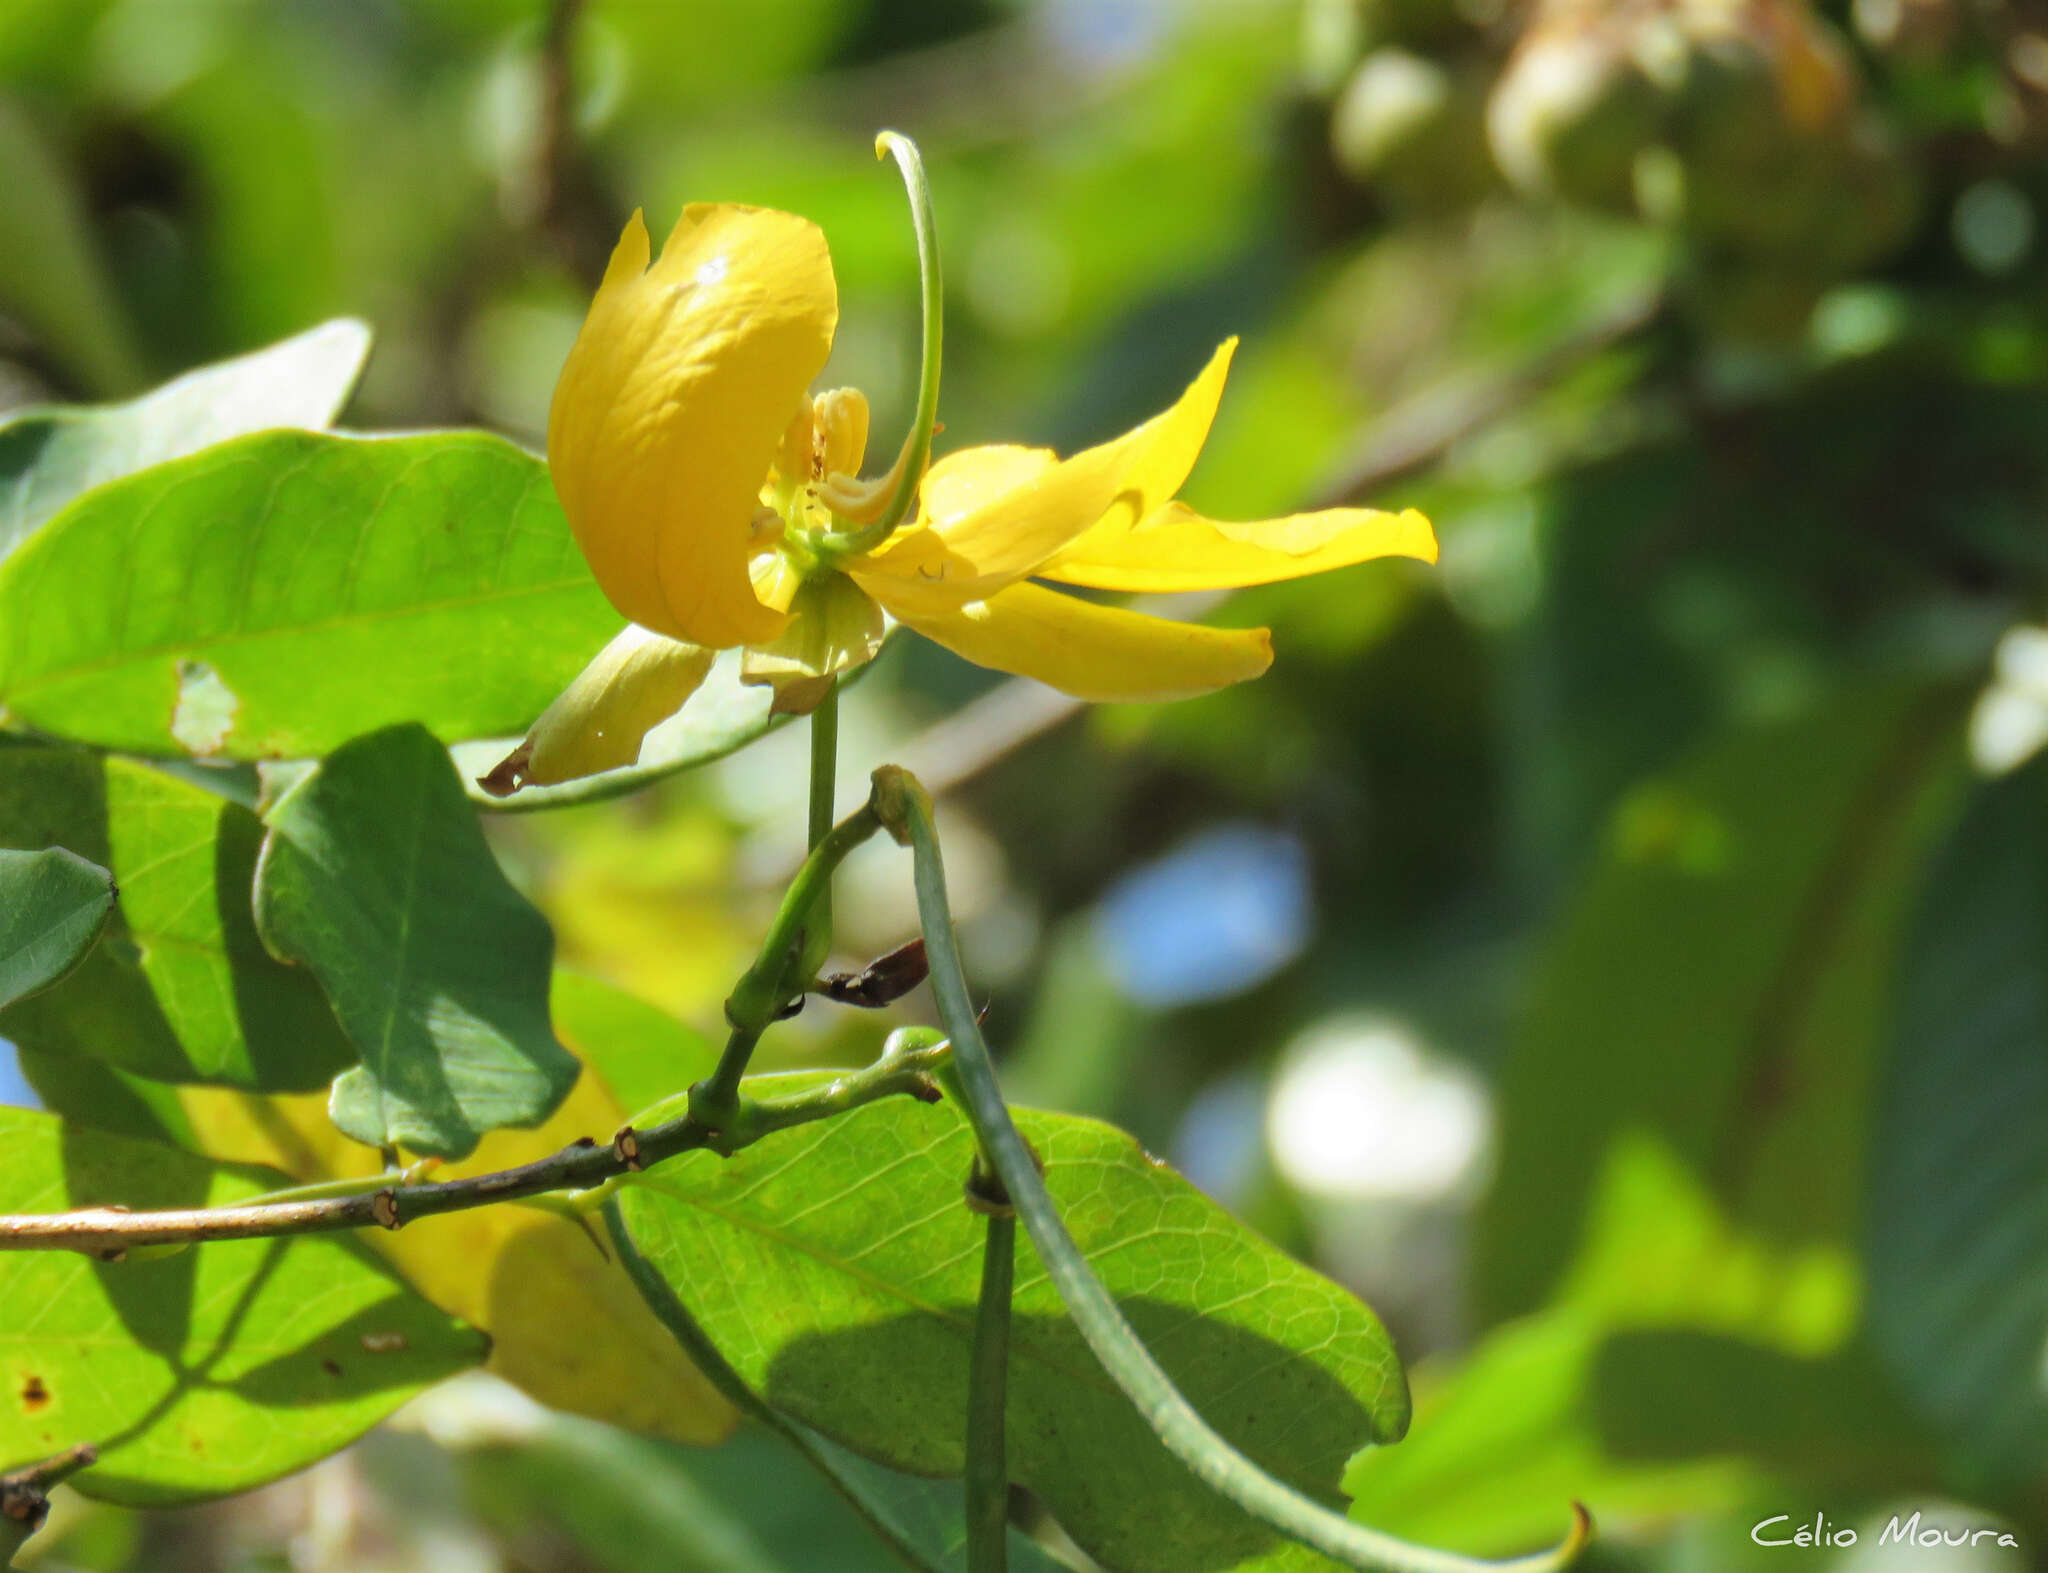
(717, 503)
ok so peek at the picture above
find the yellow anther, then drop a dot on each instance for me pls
(839, 421)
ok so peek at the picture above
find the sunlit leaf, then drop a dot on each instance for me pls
(205, 1372)
(53, 905)
(180, 988)
(275, 596)
(50, 456)
(1958, 1232)
(377, 878)
(566, 1324)
(836, 1269)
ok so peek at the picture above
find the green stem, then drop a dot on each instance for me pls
(988, 1375)
(917, 446)
(907, 811)
(785, 966)
(824, 766)
(670, 1311)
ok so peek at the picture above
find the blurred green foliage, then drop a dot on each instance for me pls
(1714, 336)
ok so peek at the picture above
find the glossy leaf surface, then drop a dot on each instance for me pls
(275, 596)
(50, 456)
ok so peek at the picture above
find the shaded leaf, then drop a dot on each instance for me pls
(1502, 1446)
(836, 1269)
(51, 270)
(53, 905)
(1958, 1234)
(754, 1505)
(566, 1324)
(181, 988)
(276, 595)
(1722, 981)
(206, 1372)
(50, 456)
(377, 877)
(1686, 1364)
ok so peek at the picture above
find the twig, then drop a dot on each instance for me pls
(784, 970)
(109, 1233)
(1417, 434)
(25, 1494)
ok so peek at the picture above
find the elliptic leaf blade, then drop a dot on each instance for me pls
(53, 905)
(377, 878)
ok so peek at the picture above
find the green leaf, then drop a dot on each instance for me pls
(1501, 1449)
(754, 1505)
(206, 1372)
(1686, 1365)
(52, 273)
(1958, 1237)
(276, 595)
(836, 1269)
(50, 456)
(1722, 981)
(377, 877)
(53, 905)
(564, 1325)
(181, 988)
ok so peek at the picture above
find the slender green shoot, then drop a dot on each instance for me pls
(907, 812)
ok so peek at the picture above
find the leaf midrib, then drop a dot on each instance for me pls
(1092, 1377)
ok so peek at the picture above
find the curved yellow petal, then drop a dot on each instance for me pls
(991, 516)
(1102, 653)
(962, 483)
(671, 407)
(1175, 548)
(598, 722)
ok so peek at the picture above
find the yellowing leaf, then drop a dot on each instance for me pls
(567, 1324)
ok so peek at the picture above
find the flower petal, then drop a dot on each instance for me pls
(1101, 653)
(1175, 548)
(632, 685)
(991, 516)
(673, 402)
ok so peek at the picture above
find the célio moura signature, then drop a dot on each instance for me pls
(1779, 1530)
